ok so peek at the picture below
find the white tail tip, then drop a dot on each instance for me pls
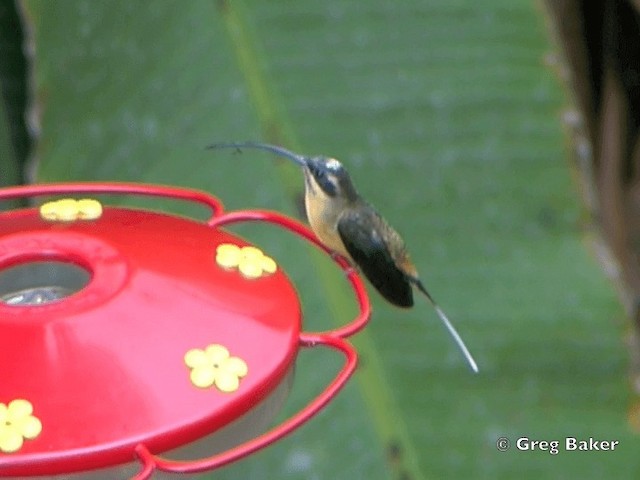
(456, 336)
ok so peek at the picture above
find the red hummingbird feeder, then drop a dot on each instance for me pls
(131, 338)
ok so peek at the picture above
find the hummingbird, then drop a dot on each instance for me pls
(351, 227)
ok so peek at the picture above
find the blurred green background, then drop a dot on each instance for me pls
(449, 121)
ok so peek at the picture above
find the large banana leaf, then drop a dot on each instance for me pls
(449, 122)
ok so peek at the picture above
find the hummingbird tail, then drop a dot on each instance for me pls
(447, 323)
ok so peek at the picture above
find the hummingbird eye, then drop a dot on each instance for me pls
(324, 176)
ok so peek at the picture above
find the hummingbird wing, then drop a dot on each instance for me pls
(364, 235)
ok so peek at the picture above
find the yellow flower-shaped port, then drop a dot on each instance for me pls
(250, 261)
(215, 366)
(17, 423)
(69, 210)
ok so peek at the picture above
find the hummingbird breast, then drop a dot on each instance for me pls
(323, 216)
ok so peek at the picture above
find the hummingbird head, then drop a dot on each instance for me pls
(330, 176)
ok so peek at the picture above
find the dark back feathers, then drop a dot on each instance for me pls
(364, 234)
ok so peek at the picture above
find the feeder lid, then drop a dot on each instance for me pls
(123, 326)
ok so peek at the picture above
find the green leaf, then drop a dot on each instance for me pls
(448, 121)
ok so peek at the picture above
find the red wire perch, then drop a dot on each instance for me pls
(296, 227)
(152, 462)
(97, 188)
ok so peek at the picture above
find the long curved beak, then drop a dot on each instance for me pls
(283, 152)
